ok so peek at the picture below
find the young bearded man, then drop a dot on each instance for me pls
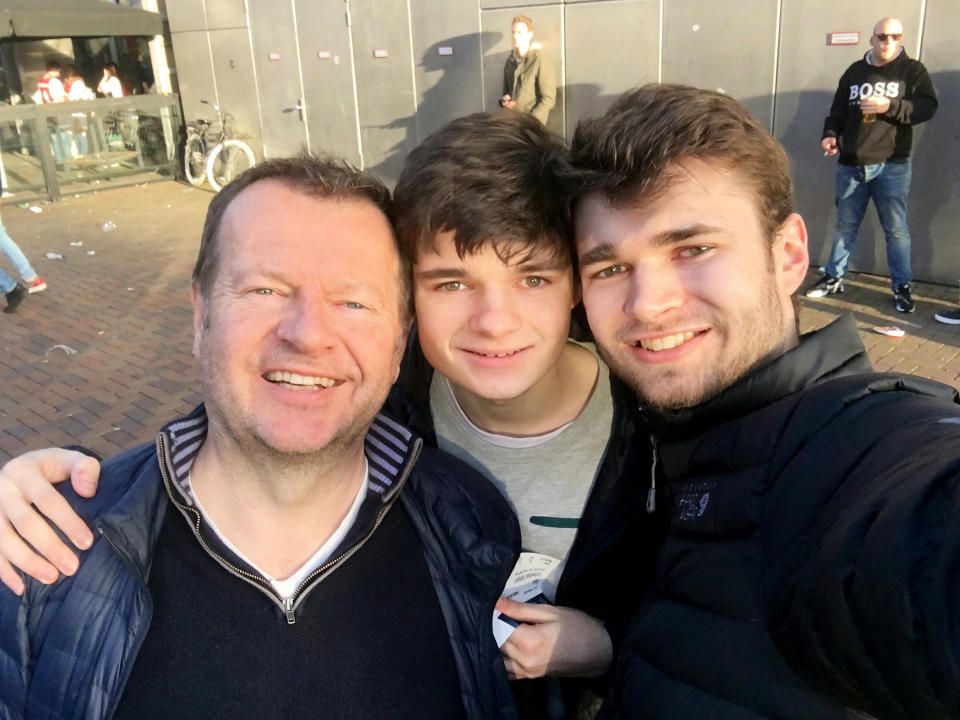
(810, 565)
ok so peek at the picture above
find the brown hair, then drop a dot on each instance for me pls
(626, 155)
(322, 177)
(490, 178)
(522, 19)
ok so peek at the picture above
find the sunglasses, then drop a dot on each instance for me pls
(883, 37)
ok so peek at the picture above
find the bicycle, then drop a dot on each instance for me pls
(219, 162)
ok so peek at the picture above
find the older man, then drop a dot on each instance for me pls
(283, 550)
(879, 100)
(810, 569)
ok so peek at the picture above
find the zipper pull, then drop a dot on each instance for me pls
(652, 492)
(288, 610)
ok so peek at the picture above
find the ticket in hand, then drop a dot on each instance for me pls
(533, 580)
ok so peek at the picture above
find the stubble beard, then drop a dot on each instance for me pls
(754, 338)
(239, 431)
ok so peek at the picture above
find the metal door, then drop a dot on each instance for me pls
(610, 48)
(326, 64)
(276, 59)
(386, 99)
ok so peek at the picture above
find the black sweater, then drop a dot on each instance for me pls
(913, 100)
(220, 648)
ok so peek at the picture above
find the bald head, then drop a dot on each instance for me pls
(886, 40)
(888, 25)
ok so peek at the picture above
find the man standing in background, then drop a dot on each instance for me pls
(879, 100)
(528, 82)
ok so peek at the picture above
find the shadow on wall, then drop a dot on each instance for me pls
(444, 101)
(813, 174)
(441, 102)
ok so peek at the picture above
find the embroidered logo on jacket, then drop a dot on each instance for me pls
(692, 502)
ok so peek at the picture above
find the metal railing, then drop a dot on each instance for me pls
(74, 147)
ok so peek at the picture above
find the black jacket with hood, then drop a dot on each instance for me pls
(811, 565)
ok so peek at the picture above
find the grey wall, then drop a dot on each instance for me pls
(772, 55)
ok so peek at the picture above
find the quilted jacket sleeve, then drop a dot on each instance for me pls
(14, 649)
(863, 585)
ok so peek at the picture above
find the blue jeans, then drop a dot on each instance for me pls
(888, 184)
(20, 263)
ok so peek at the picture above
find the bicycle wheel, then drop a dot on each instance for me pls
(227, 160)
(193, 158)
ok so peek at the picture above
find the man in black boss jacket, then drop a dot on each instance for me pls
(810, 569)
(284, 550)
(878, 101)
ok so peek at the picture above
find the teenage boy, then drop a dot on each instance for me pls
(492, 376)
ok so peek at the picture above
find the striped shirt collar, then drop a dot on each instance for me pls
(387, 446)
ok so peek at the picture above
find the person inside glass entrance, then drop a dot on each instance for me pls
(109, 85)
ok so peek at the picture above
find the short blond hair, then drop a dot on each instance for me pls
(523, 19)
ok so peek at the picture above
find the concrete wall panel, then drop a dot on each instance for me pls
(599, 48)
(384, 66)
(233, 69)
(447, 52)
(192, 50)
(935, 193)
(725, 46)
(278, 76)
(186, 15)
(331, 108)
(518, 10)
(225, 14)
(547, 30)
(610, 47)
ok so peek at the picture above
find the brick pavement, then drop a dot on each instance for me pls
(125, 310)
